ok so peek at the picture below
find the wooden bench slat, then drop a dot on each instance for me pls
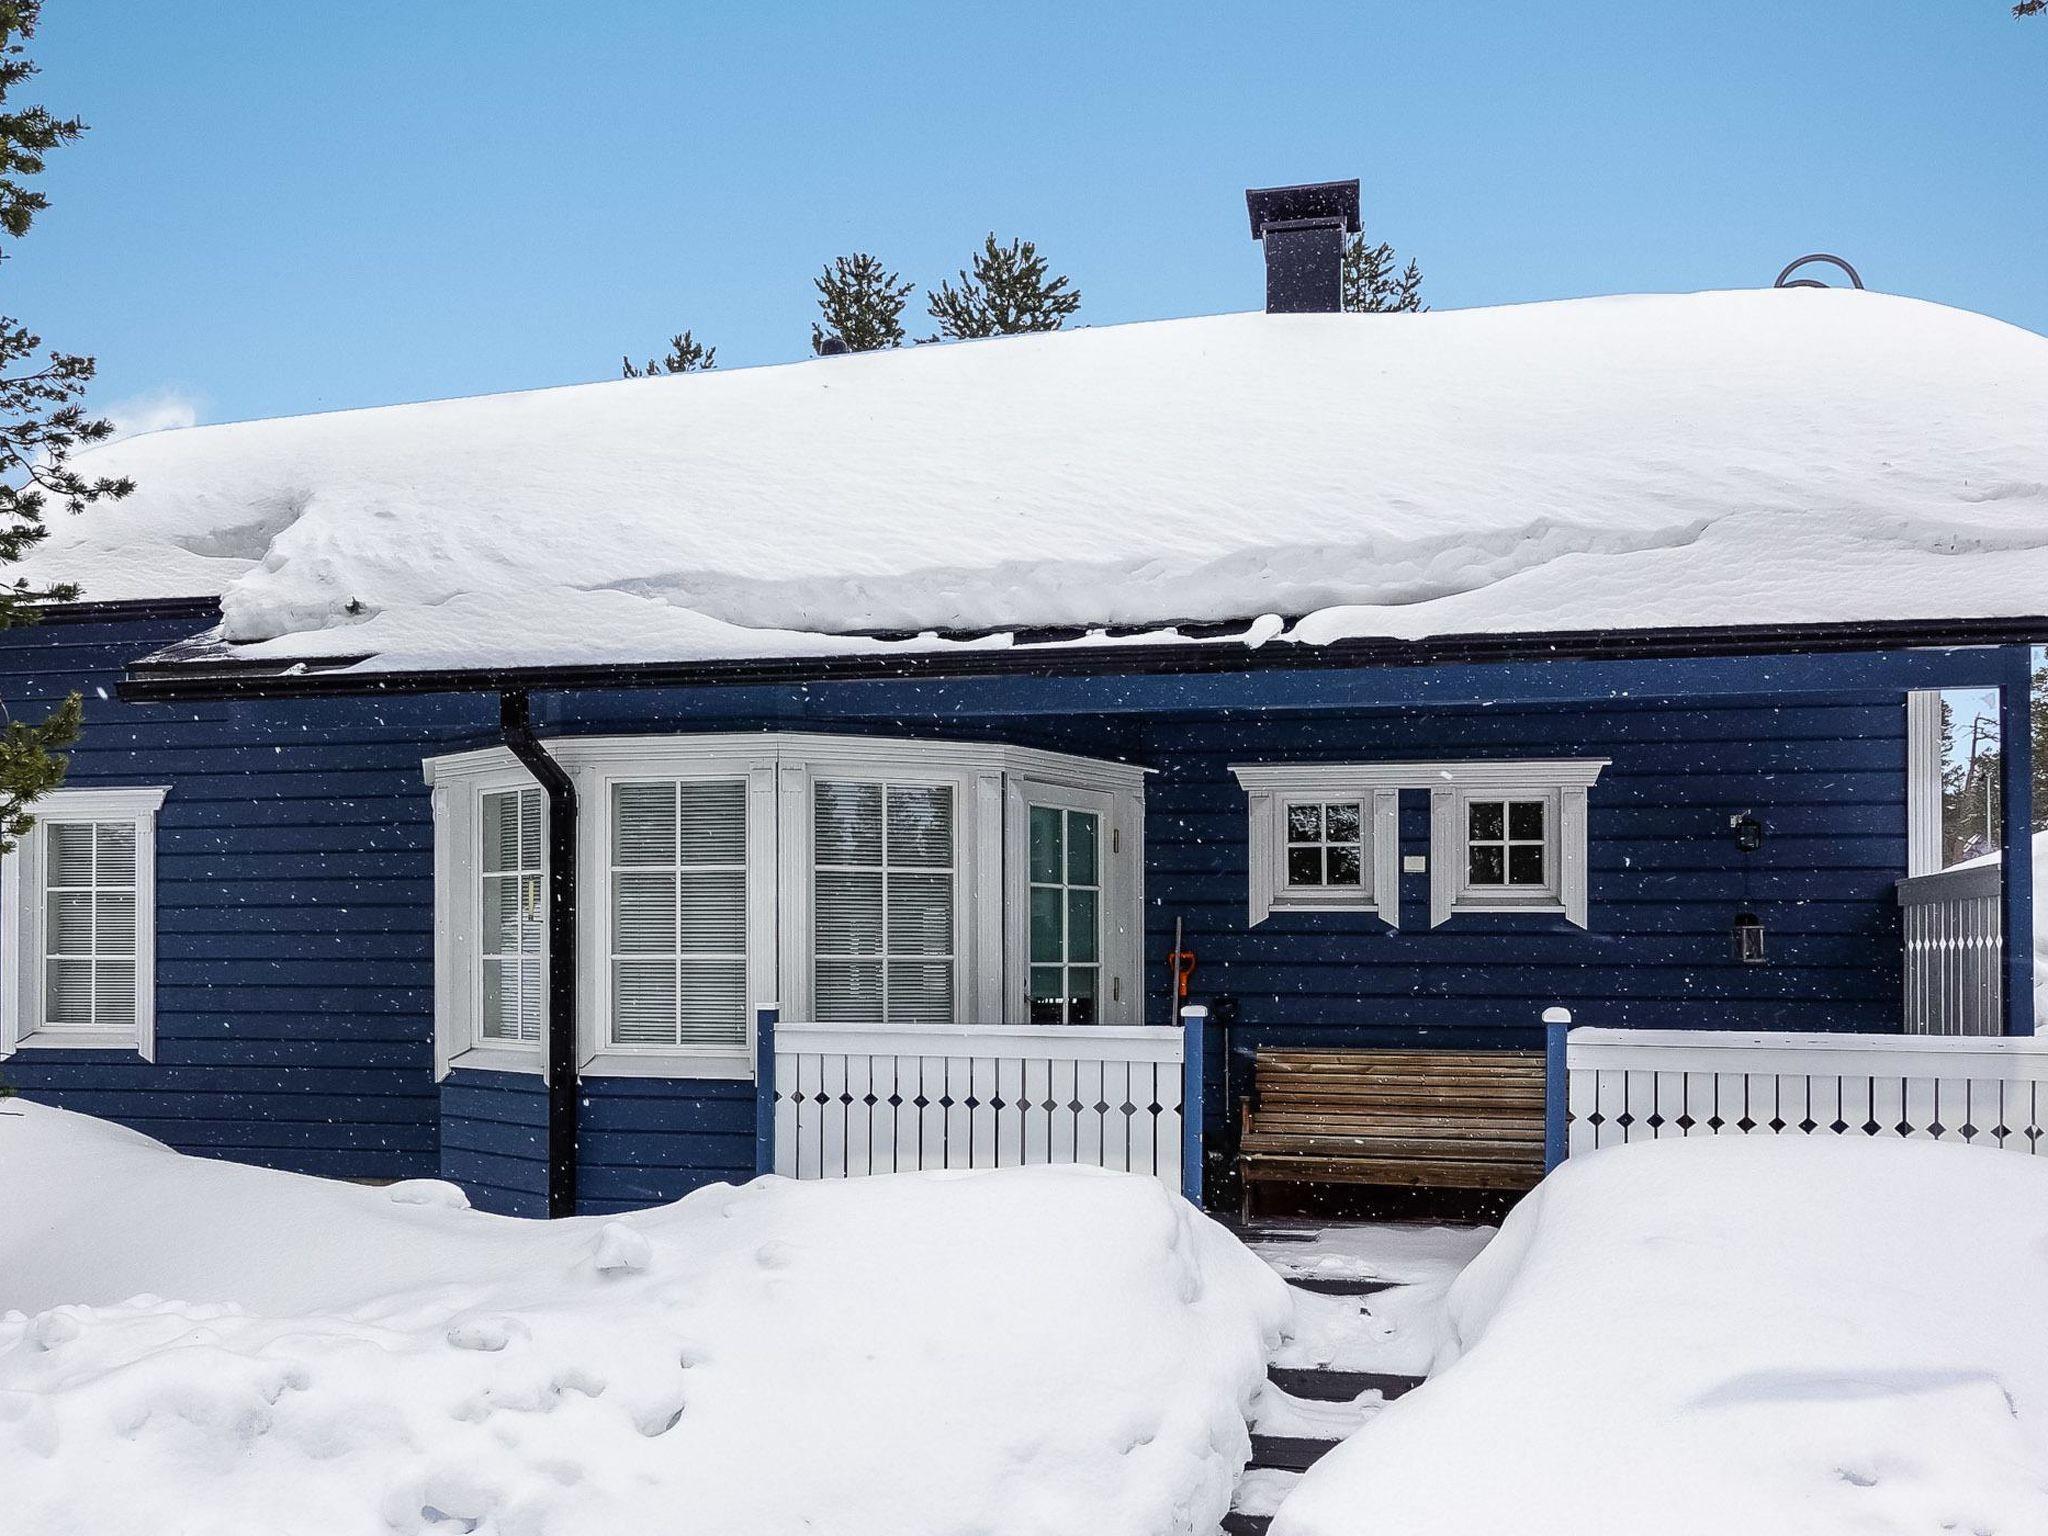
(1444, 1119)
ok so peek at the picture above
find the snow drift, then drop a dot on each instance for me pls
(1761, 457)
(1044, 1350)
(1778, 1334)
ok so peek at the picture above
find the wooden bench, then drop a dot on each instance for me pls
(1415, 1119)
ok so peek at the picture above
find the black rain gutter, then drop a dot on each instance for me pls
(515, 723)
(209, 678)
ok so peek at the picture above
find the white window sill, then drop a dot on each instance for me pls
(80, 1040)
(1504, 906)
(1308, 901)
(500, 1058)
(725, 1066)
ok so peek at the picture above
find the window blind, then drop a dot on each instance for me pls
(513, 940)
(89, 925)
(883, 902)
(679, 913)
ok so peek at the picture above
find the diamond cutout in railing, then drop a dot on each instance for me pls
(1807, 1126)
(1871, 1127)
(871, 1101)
(1716, 1123)
(1624, 1119)
(1101, 1107)
(1969, 1131)
(1745, 1125)
(1777, 1125)
(1839, 1126)
(1936, 1129)
(1903, 1128)
(1685, 1122)
(1132, 1109)
(947, 1101)
(1655, 1122)
(922, 1102)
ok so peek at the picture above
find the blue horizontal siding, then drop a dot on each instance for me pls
(294, 912)
(295, 921)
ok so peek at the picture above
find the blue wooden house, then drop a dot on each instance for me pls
(590, 794)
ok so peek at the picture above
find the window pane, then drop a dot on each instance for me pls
(1344, 866)
(114, 923)
(69, 852)
(849, 992)
(847, 823)
(1304, 823)
(115, 849)
(1046, 823)
(920, 914)
(643, 824)
(714, 1002)
(848, 920)
(921, 825)
(644, 1002)
(1048, 995)
(1486, 818)
(1525, 819)
(68, 923)
(1046, 942)
(1488, 866)
(1343, 822)
(1082, 827)
(1525, 864)
(532, 919)
(501, 914)
(527, 1020)
(501, 831)
(1081, 925)
(1304, 866)
(644, 912)
(67, 992)
(500, 998)
(113, 994)
(1081, 988)
(920, 992)
(714, 911)
(714, 823)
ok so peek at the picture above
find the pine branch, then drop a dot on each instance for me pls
(1370, 283)
(862, 304)
(1006, 294)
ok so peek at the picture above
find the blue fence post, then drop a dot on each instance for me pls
(1557, 1023)
(764, 1089)
(1194, 1027)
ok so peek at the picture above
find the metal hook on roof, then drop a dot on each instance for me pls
(1787, 280)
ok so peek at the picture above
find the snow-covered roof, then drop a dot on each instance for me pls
(1772, 457)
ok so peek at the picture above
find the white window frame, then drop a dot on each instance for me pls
(1117, 794)
(22, 921)
(1561, 784)
(991, 784)
(459, 786)
(1272, 787)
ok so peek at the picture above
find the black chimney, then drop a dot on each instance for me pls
(1303, 230)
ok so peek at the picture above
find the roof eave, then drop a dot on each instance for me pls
(157, 680)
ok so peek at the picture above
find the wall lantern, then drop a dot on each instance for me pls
(1749, 938)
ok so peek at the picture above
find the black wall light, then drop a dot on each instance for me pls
(1749, 928)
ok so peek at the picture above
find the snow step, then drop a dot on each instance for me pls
(1339, 1285)
(1320, 1385)
(1289, 1453)
(1237, 1523)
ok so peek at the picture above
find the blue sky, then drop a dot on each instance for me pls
(289, 208)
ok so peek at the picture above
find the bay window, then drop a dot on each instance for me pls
(843, 879)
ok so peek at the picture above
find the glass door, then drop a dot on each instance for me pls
(1067, 851)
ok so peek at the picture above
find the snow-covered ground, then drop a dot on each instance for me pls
(1772, 457)
(1044, 1350)
(1769, 1335)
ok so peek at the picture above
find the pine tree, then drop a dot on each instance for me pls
(41, 422)
(1005, 294)
(686, 354)
(1372, 286)
(862, 304)
(2030, 7)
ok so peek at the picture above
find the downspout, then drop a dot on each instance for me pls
(515, 723)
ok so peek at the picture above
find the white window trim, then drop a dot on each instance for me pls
(1561, 783)
(779, 768)
(21, 924)
(1121, 904)
(459, 787)
(1272, 787)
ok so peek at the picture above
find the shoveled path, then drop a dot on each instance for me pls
(1305, 1411)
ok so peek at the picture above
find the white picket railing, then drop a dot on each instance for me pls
(1955, 976)
(1628, 1085)
(849, 1099)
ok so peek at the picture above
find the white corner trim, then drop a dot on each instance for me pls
(1923, 782)
(21, 924)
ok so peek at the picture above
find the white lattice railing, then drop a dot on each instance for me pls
(849, 1099)
(1954, 983)
(1627, 1085)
